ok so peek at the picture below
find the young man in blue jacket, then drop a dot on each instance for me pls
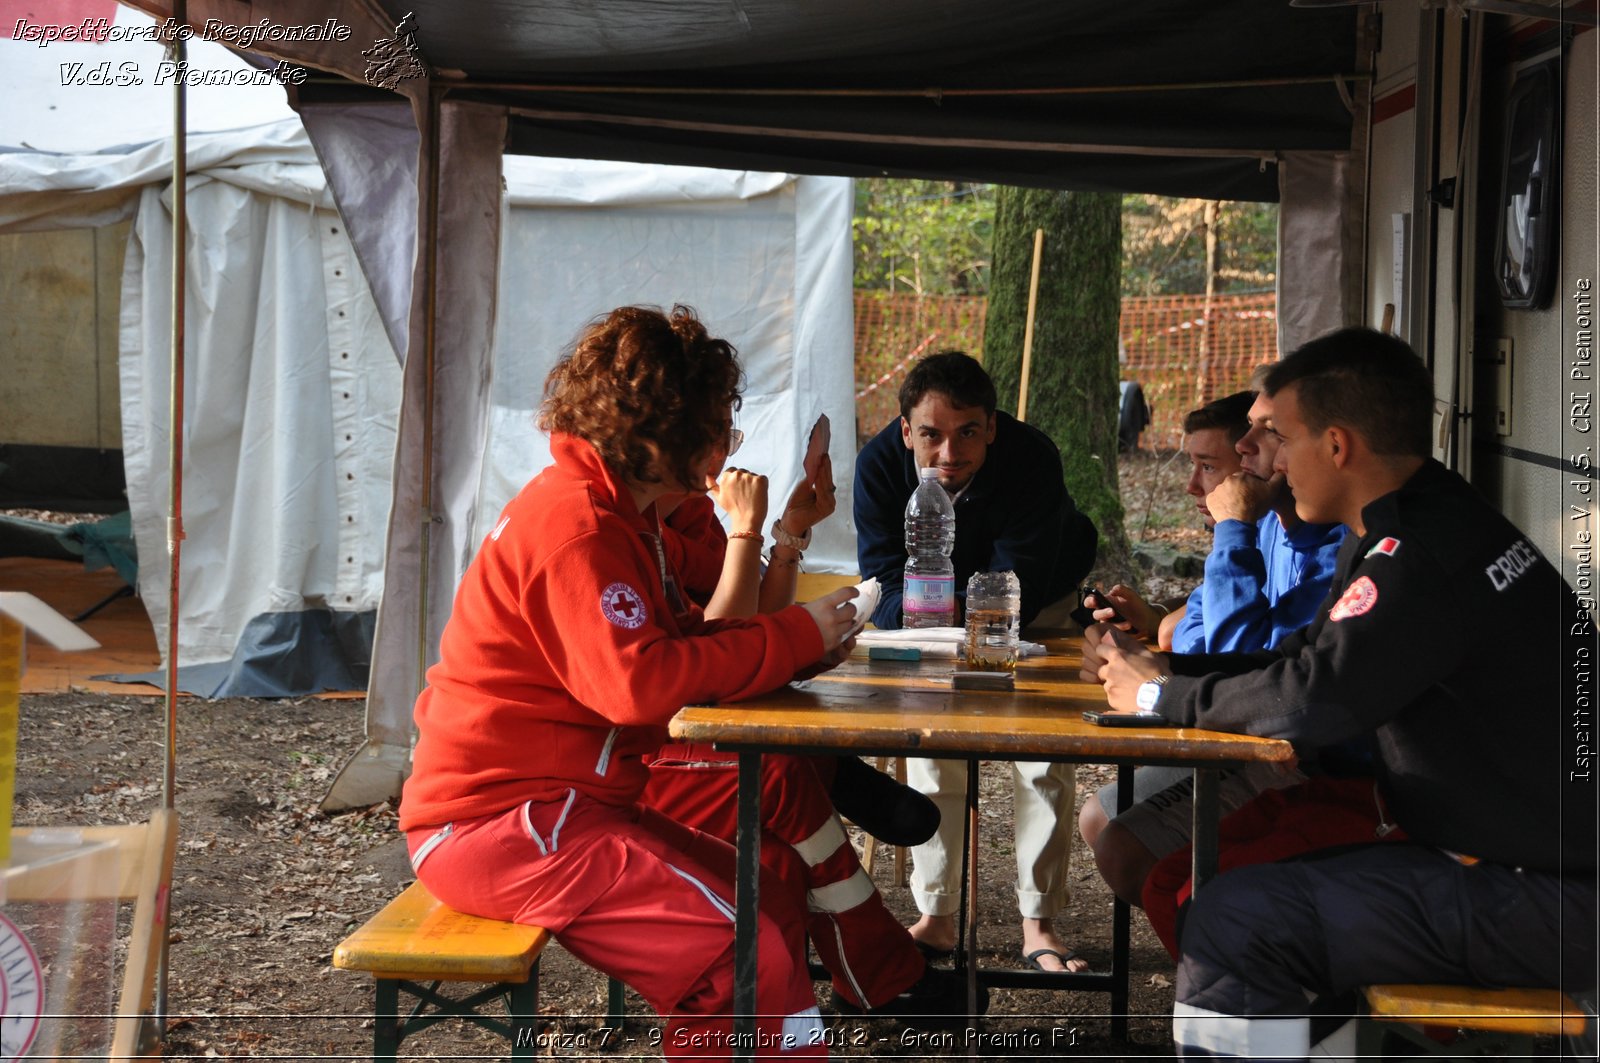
(1267, 573)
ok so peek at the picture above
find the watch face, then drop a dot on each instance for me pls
(1147, 696)
(21, 991)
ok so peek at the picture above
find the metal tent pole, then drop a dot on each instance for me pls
(180, 230)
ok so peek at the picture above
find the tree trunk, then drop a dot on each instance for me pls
(1072, 391)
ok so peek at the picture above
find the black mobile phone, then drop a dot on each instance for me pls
(1101, 600)
(1112, 718)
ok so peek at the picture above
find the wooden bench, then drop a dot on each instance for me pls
(415, 944)
(1487, 1021)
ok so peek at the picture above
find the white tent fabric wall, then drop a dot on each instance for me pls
(763, 258)
(291, 391)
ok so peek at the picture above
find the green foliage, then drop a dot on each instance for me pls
(1072, 391)
(922, 237)
(935, 238)
(1164, 246)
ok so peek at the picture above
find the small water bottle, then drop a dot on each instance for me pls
(930, 584)
(994, 620)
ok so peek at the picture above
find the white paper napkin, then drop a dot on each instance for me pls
(936, 641)
(866, 600)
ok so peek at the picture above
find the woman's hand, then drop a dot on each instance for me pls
(742, 494)
(836, 622)
(810, 503)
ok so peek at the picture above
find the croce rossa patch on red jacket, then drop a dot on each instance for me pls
(1358, 598)
(622, 605)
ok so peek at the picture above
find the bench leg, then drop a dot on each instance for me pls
(1370, 1037)
(386, 1021)
(616, 1004)
(522, 1006)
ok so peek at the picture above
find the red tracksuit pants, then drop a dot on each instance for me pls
(870, 955)
(1320, 813)
(638, 897)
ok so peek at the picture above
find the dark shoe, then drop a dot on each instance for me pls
(938, 998)
(890, 811)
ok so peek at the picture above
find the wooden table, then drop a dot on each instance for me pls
(893, 708)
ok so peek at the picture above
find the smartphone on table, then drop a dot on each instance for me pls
(1114, 718)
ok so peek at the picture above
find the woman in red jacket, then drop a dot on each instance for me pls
(569, 648)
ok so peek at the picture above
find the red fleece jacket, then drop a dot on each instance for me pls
(564, 658)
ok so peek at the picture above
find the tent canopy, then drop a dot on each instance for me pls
(1015, 93)
(1164, 96)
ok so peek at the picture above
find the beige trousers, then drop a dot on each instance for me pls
(1042, 830)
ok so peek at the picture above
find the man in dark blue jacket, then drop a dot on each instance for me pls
(1012, 507)
(1012, 512)
(1456, 646)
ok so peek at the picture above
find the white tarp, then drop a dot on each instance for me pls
(82, 96)
(291, 388)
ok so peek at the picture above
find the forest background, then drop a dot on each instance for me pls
(1174, 296)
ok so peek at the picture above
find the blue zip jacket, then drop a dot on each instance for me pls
(1261, 584)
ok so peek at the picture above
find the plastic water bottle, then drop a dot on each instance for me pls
(930, 583)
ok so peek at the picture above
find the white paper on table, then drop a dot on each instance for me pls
(936, 641)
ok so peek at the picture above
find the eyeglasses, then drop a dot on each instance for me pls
(735, 438)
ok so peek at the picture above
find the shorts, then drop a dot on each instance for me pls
(1162, 817)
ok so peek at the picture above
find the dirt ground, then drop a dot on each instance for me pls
(266, 886)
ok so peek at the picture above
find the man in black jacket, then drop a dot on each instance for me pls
(1012, 512)
(1451, 641)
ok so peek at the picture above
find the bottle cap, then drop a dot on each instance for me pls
(931, 473)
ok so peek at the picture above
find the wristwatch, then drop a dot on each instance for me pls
(783, 538)
(1149, 693)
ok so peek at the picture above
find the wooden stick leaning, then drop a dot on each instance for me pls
(1027, 330)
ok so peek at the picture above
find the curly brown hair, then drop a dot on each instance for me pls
(646, 389)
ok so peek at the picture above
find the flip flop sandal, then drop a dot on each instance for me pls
(1032, 960)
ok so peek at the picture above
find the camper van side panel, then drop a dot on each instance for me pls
(1529, 472)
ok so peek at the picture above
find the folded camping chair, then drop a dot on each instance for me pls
(106, 543)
